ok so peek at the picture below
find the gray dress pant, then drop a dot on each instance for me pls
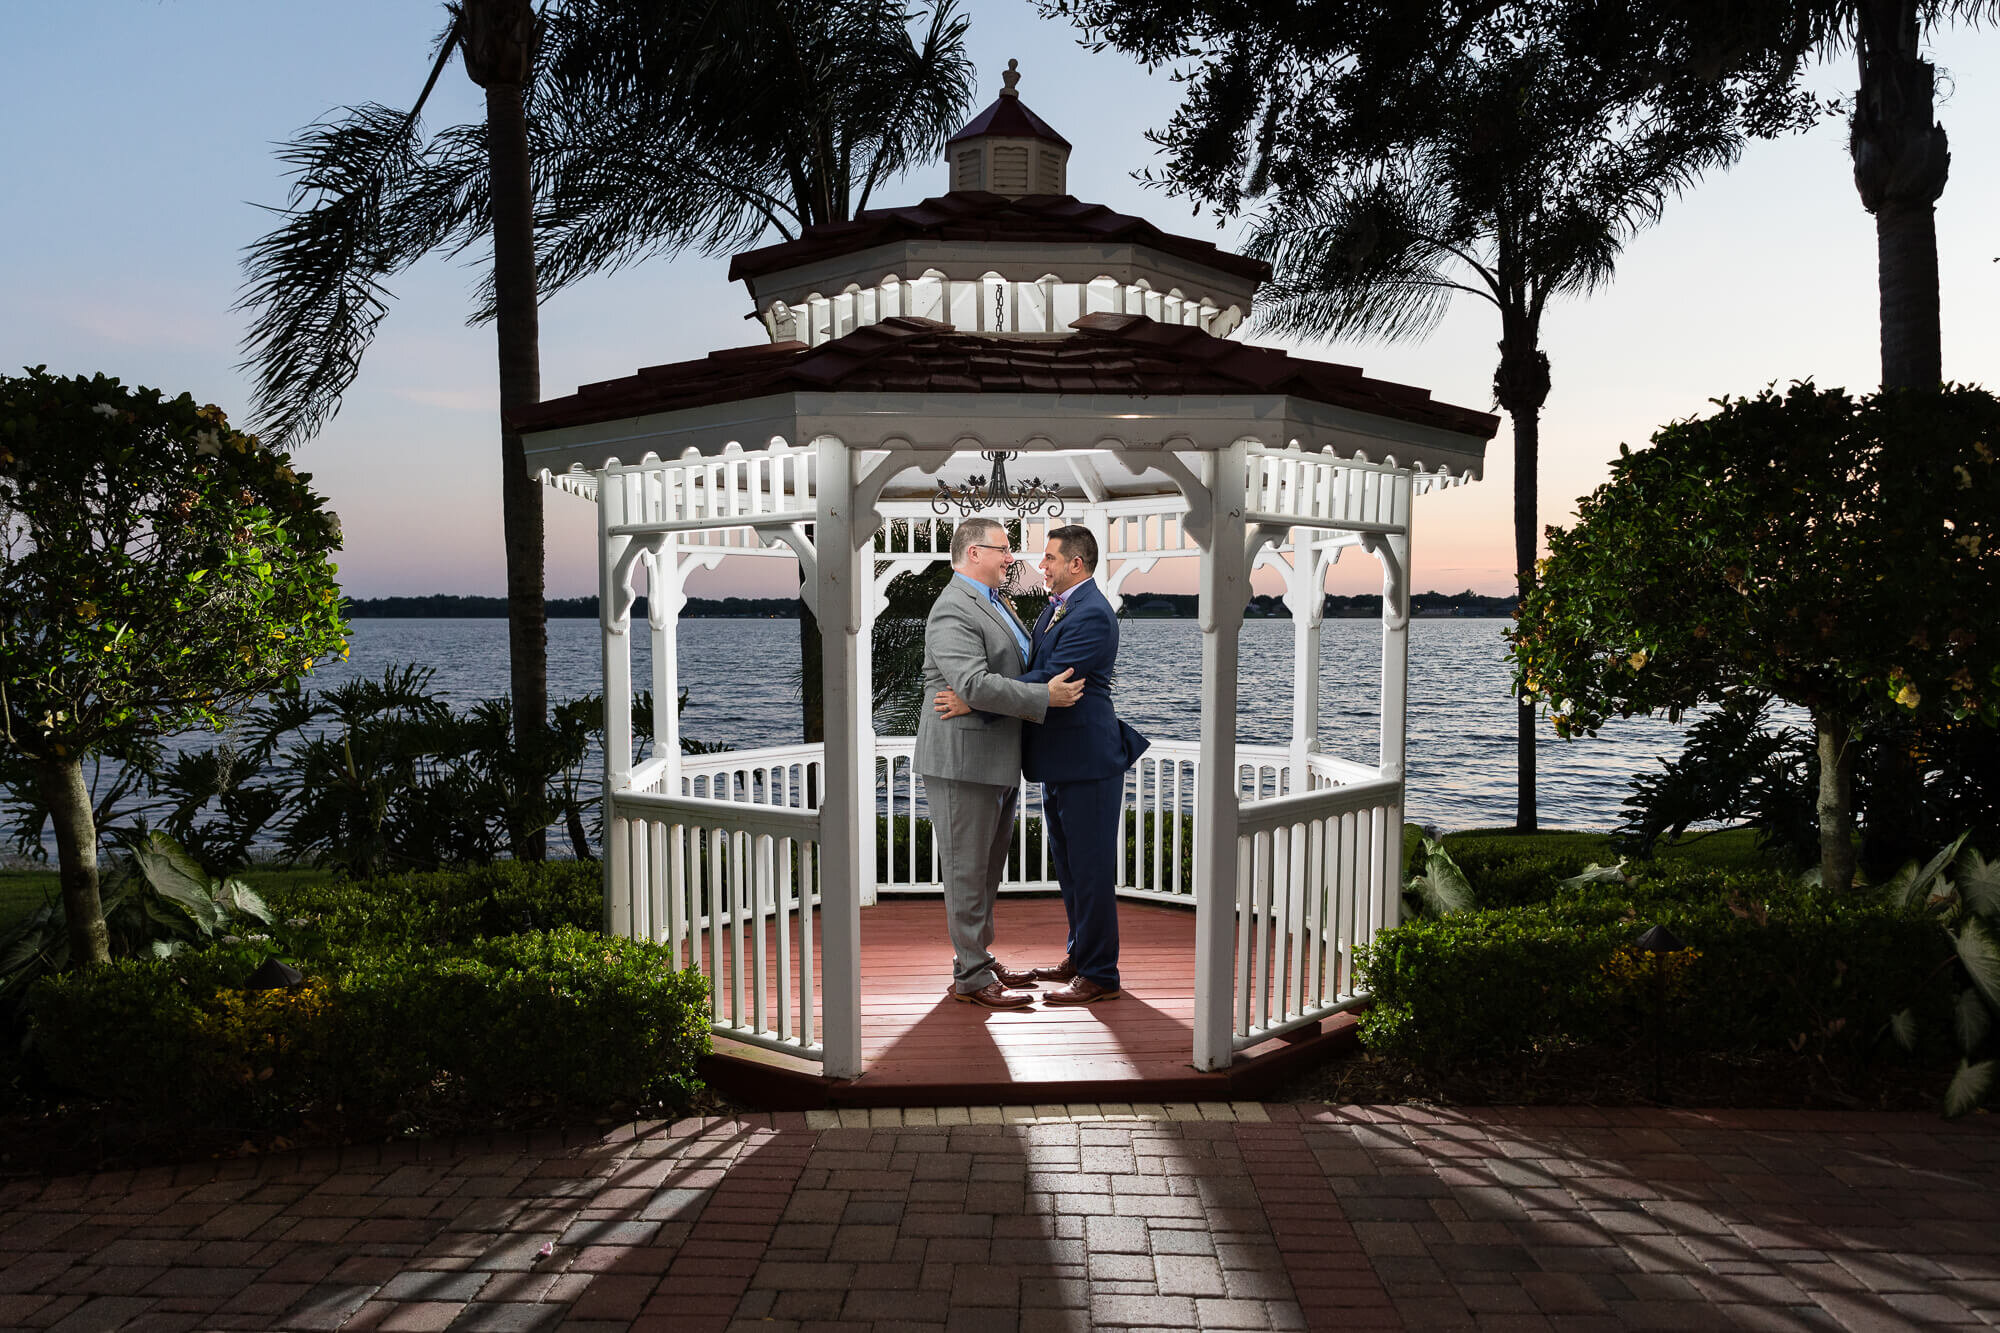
(972, 824)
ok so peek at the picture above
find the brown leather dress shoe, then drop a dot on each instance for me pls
(1060, 972)
(1082, 991)
(995, 996)
(1015, 978)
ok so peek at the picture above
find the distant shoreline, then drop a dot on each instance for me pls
(1138, 606)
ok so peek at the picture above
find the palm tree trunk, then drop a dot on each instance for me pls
(68, 802)
(1521, 386)
(499, 43)
(518, 326)
(1901, 161)
(1836, 806)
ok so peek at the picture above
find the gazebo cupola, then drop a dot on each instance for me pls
(1005, 250)
(1007, 149)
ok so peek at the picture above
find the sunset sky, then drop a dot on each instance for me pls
(140, 149)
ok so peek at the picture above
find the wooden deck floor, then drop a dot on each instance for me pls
(921, 1047)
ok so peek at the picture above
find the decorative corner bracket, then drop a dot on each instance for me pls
(1396, 580)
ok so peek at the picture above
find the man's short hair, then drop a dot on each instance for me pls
(975, 531)
(1078, 542)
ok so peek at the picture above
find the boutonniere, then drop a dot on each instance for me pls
(1061, 611)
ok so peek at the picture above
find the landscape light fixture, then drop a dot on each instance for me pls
(993, 491)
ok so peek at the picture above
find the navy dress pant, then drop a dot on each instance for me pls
(1082, 823)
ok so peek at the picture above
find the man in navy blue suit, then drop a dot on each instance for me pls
(1080, 756)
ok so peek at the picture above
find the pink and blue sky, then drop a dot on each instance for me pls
(140, 148)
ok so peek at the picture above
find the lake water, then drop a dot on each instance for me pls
(739, 674)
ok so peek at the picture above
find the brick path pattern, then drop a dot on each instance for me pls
(1223, 1216)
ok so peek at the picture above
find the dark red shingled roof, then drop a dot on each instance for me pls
(1008, 119)
(974, 215)
(1108, 354)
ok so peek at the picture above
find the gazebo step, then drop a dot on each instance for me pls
(1046, 1072)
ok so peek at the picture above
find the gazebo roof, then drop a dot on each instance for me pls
(1122, 355)
(1007, 118)
(974, 215)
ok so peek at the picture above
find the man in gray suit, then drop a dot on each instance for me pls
(971, 764)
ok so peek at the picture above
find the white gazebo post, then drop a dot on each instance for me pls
(862, 771)
(1224, 587)
(614, 559)
(1393, 550)
(1305, 597)
(835, 541)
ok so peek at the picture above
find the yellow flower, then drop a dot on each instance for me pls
(1637, 659)
(88, 610)
(1970, 542)
(1908, 696)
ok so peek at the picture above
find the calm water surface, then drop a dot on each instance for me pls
(1461, 717)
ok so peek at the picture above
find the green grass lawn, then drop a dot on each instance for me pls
(1733, 849)
(22, 891)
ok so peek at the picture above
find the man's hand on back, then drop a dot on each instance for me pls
(1063, 691)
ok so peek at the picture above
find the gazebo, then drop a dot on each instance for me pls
(1006, 317)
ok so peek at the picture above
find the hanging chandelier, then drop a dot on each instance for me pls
(994, 491)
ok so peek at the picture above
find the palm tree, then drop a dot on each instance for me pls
(674, 124)
(1518, 182)
(369, 198)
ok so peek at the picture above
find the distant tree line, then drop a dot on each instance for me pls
(1184, 606)
(443, 606)
(1161, 605)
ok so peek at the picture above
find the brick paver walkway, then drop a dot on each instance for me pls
(1230, 1216)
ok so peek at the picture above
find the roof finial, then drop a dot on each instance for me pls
(1010, 78)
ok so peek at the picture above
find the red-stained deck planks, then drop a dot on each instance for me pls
(921, 1047)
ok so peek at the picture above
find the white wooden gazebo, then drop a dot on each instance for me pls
(902, 345)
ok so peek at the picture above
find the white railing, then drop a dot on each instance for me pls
(729, 886)
(696, 490)
(1155, 829)
(735, 855)
(989, 304)
(1317, 874)
(1319, 490)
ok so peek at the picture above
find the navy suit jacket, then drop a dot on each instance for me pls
(1085, 740)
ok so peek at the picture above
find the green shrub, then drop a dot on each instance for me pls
(444, 908)
(401, 1031)
(1774, 964)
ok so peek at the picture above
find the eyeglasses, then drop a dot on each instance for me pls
(988, 546)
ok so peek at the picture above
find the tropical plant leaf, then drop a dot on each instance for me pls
(1969, 1087)
(175, 876)
(1978, 881)
(1971, 1020)
(238, 897)
(1980, 956)
(1597, 874)
(1917, 889)
(1903, 1027)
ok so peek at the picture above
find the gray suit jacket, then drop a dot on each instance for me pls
(967, 646)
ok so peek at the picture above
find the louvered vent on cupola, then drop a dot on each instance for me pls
(1008, 149)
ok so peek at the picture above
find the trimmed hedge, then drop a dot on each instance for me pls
(1773, 964)
(427, 997)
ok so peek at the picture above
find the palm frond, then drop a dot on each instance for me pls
(366, 201)
(1376, 253)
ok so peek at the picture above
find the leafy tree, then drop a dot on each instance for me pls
(1843, 556)
(158, 569)
(1405, 156)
